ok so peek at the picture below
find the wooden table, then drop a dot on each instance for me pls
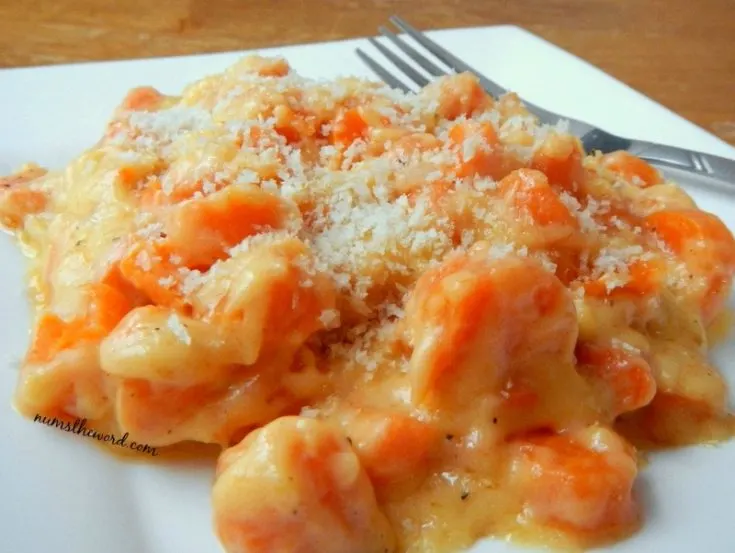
(679, 52)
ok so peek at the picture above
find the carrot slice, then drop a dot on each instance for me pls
(707, 247)
(52, 336)
(203, 229)
(680, 229)
(529, 191)
(632, 168)
(107, 306)
(560, 158)
(472, 318)
(348, 127)
(626, 376)
(391, 446)
(142, 98)
(456, 315)
(579, 484)
(645, 278)
(479, 149)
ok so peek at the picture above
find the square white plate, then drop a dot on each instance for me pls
(61, 494)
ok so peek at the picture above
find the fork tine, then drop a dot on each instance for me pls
(384, 75)
(409, 71)
(423, 61)
(446, 57)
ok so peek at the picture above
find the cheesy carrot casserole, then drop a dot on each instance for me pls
(410, 321)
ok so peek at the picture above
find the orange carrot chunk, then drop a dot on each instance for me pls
(52, 335)
(645, 278)
(625, 375)
(203, 229)
(479, 150)
(106, 307)
(348, 127)
(578, 483)
(684, 230)
(529, 191)
(142, 98)
(392, 447)
(705, 245)
(560, 158)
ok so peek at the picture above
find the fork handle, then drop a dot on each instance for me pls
(705, 165)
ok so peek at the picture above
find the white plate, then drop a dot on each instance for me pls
(60, 494)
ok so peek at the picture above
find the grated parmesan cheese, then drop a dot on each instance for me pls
(167, 282)
(143, 260)
(179, 329)
(329, 318)
(625, 346)
(612, 263)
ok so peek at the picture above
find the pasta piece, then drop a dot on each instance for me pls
(633, 169)
(510, 108)
(201, 231)
(140, 176)
(19, 198)
(70, 384)
(296, 486)
(412, 143)
(457, 95)
(621, 375)
(684, 372)
(580, 482)
(61, 372)
(475, 320)
(662, 197)
(270, 292)
(218, 412)
(262, 66)
(394, 448)
(691, 403)
(157, 344)
(600, 320)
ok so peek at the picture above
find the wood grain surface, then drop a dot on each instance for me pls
(679, 52)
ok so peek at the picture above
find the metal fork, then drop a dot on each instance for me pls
(706, 166)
